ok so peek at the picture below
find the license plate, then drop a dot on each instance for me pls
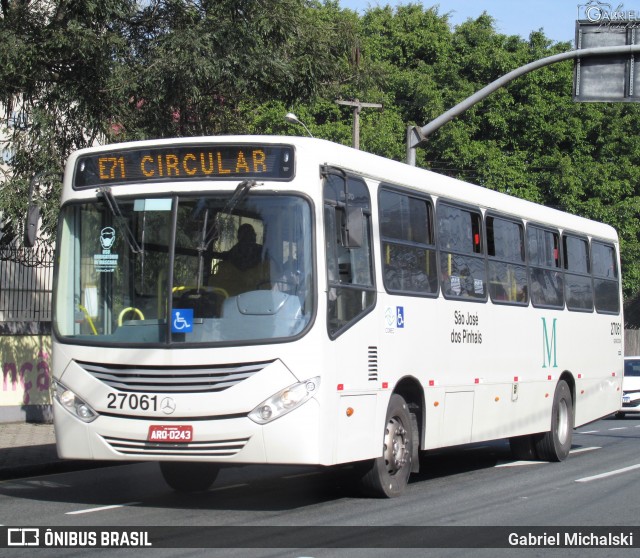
(626, 399)
(169, 433)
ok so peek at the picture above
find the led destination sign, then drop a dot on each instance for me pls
(192, 162)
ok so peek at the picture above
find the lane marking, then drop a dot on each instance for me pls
(519, 463)
(618, 428)
(589, 432)
(609, 474)
(582, 450)
(523, 463)
(103, 508)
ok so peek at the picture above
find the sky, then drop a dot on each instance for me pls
(557, 18)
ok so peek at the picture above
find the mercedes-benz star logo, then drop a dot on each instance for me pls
(167, 406)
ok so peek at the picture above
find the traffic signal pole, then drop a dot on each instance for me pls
(417, 137)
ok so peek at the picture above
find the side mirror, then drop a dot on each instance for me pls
(31, 225)
(33, 216)
(354, 227)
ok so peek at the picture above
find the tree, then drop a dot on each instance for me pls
(197, 63)
(58, 66)
(119, 70)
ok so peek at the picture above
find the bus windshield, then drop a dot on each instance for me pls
(184, 270)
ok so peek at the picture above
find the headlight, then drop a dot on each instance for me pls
(72, 403)
(285, 401)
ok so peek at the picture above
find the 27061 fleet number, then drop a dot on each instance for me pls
(132, 401)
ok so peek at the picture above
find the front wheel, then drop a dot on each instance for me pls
(555, 444)
(189, 477)
(387, 476)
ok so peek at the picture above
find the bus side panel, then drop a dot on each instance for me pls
(490, 371)
(360, 402)
(599, 376)
(356, 439)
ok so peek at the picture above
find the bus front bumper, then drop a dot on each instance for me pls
(292, 438)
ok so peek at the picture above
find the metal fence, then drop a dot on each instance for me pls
(26, 277)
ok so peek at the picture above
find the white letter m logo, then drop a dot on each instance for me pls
(549, 359)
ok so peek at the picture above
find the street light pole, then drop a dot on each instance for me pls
(293, 119)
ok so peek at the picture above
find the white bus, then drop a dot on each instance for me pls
(282, 300)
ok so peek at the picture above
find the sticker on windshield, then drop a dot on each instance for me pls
(182, 320)
(106, 262)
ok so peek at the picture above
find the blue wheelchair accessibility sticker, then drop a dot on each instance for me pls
(182, 320)
(399, 316)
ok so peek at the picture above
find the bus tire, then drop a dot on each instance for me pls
(189, 477)
(387, 476)
(555, 444)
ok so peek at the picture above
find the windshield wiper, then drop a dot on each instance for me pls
(105, 192)
(239, 194)
(211, 234)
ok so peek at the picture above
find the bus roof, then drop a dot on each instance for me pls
(312, 152)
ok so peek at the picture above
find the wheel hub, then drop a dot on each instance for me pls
(396, 451)
(563, 422)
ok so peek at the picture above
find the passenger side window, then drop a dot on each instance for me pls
(578, 287)
(507, 269)
(351, 288)
(605, 278)
(462, 265)
(545, 274)
(408, 251)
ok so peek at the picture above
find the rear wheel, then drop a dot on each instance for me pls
(387, 476)
(555, 444)
(189, 477)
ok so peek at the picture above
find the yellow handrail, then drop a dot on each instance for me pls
(86, 313)
(129, 308)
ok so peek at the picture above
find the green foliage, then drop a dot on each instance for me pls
(57, 64)
(118, 70)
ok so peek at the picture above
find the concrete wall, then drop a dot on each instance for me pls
(25, 387)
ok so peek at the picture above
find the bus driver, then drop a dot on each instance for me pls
(242, 267)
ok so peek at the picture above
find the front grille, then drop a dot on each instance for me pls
(170, 379)
(219, 448)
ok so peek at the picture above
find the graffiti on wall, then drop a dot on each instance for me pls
(26, 377)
